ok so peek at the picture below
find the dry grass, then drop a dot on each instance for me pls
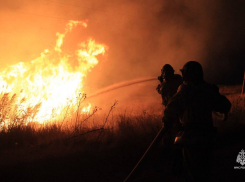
(91, 141)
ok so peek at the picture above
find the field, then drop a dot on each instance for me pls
(106, 145)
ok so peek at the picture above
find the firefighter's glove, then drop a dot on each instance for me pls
(160, 78)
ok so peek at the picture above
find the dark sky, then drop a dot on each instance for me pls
(227, 43)
(142, 36)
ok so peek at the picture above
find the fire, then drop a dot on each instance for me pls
(50, 82)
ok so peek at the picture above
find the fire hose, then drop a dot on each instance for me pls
(156, 140)
(121, 85)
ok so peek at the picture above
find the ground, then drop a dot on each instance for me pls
(108, 155)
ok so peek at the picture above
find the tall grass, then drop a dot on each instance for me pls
(18, 129)
(120, 138)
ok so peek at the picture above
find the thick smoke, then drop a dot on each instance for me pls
(141, 35)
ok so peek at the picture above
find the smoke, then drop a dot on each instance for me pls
(142, 36)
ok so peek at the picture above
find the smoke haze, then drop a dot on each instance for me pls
(142, 36)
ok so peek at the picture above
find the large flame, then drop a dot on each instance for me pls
(50, 81)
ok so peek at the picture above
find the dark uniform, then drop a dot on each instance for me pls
(169, 83)
(192, 106)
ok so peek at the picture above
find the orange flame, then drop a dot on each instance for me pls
(50, 79)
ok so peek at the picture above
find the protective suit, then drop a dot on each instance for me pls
(169, 83)
(192, 106)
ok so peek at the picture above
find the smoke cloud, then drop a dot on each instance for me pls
(142, 36)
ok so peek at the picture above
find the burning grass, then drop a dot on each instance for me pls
(93, 144)
(104, 144)
(74, 128)
(41, 89)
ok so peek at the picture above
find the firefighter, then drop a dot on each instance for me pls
(192, 106)
(169, 83)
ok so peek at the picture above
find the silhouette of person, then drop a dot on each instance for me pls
(169, 83)
(192, 106)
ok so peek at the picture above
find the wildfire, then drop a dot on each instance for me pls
(50, 82)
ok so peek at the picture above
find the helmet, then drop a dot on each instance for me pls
(192, 71)
(167, 68)
(167, 72)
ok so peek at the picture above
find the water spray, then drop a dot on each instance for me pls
(121, 85)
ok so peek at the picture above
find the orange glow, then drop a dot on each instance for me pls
(51, 80)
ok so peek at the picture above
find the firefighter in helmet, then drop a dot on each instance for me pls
(192, 106)
(169, 83)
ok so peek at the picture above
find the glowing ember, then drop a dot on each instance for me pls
(49, 82)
